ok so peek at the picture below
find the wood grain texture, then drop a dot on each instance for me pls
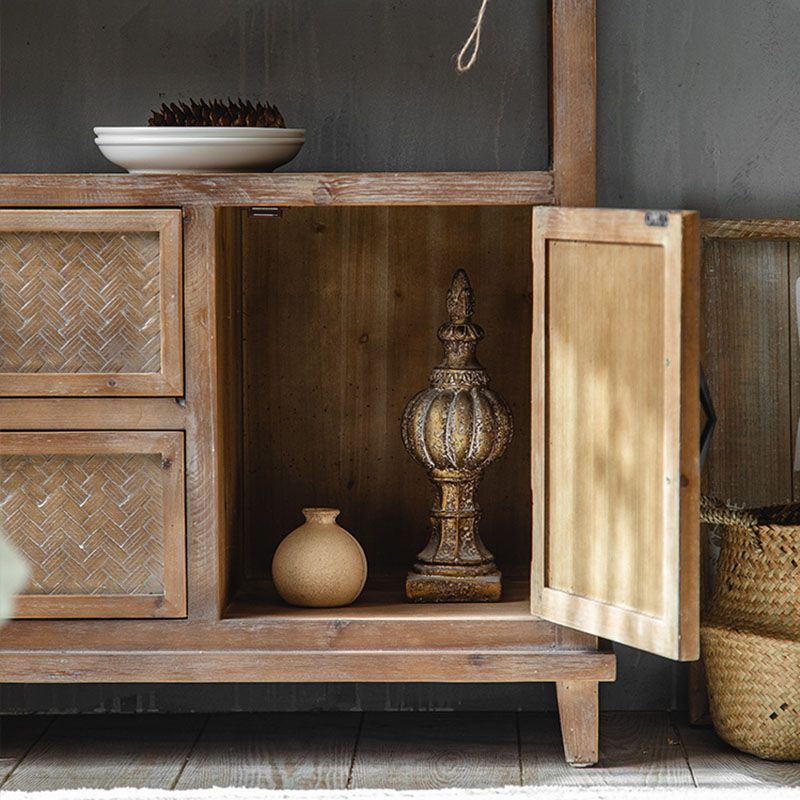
(606, 448)
(750, 229)
(281, 189)
(249, 665)
(716, 764)
(86, 752)
(206, 529)
(273, 751)
(578, 712)
(340, 317)
(17, 735)
(92, 303)
(666, 621)
(794, 358)
(436, 751)
(573, 101)
(100, 517)
(636, 749)
(88, 413)
(747, 331)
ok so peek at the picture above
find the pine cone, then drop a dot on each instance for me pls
(215, 113)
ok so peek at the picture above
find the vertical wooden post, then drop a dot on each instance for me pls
(573, 84)
(578, 709)
(573, 99)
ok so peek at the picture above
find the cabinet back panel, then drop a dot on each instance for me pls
(340, 312)
(605, 398)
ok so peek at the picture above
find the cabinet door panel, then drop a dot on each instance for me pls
(616, 425)
(90, 302)
(99, 517)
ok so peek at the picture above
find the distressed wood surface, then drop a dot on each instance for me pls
(250, 665)
(436, 751)
(206, 529)
(84, 413)
(716, 764)
(17, 736)
(746, 336)
(742, 229)
(274, 751)
(573, 101)
(578, 710)
(636, 749)
(87, 752)
(282, 189)
(794, 355)
(392, 750)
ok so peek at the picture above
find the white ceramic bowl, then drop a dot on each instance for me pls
(200, 132)
(175, 150)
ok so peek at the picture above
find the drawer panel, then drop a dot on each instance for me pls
(99, 516)
(90, 303)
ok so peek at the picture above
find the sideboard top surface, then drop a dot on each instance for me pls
(271, 189)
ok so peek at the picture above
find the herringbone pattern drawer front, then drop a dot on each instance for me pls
(86, 524)
(80, 302)
(91, 303)
(99, 516)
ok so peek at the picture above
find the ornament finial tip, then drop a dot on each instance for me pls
(460, 300)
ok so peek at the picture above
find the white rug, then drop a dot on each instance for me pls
(508, 793)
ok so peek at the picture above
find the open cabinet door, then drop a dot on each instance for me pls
(616, 425)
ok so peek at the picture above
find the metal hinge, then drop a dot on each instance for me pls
(266, 211)
(656, 219)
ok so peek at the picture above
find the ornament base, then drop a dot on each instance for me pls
(453, 588)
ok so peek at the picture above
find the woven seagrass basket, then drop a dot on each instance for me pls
(751, 640)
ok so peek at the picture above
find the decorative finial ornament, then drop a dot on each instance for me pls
(456, 428)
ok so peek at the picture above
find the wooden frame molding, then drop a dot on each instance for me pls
(169, 446)
(168, 380)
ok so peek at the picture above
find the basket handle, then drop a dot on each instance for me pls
(718, 512)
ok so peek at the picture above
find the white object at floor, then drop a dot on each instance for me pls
(13, 576)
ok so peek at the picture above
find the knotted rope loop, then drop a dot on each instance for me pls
(474, 42)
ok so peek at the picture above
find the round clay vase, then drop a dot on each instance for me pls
(319, 564)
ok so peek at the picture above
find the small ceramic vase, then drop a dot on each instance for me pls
(319, 564)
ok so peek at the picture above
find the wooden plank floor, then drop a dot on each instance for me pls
(401, 750)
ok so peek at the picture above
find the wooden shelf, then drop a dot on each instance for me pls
(382, 601)
(280, 189)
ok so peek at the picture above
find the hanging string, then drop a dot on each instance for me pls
(473, 41)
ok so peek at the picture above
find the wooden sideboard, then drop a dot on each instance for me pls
(179, 381)
(185, 361)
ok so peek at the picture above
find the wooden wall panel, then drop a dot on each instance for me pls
(746, 335)
(341, 308)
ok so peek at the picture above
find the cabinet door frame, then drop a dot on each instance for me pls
(170, 446)
(675, 632)
(168, 381)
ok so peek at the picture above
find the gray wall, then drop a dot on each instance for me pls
(698, 107)
(372, 81)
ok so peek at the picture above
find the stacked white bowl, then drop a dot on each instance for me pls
(199, 149)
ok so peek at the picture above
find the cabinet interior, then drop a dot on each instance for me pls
(333, 317)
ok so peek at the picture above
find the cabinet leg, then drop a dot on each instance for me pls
(578, 709)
